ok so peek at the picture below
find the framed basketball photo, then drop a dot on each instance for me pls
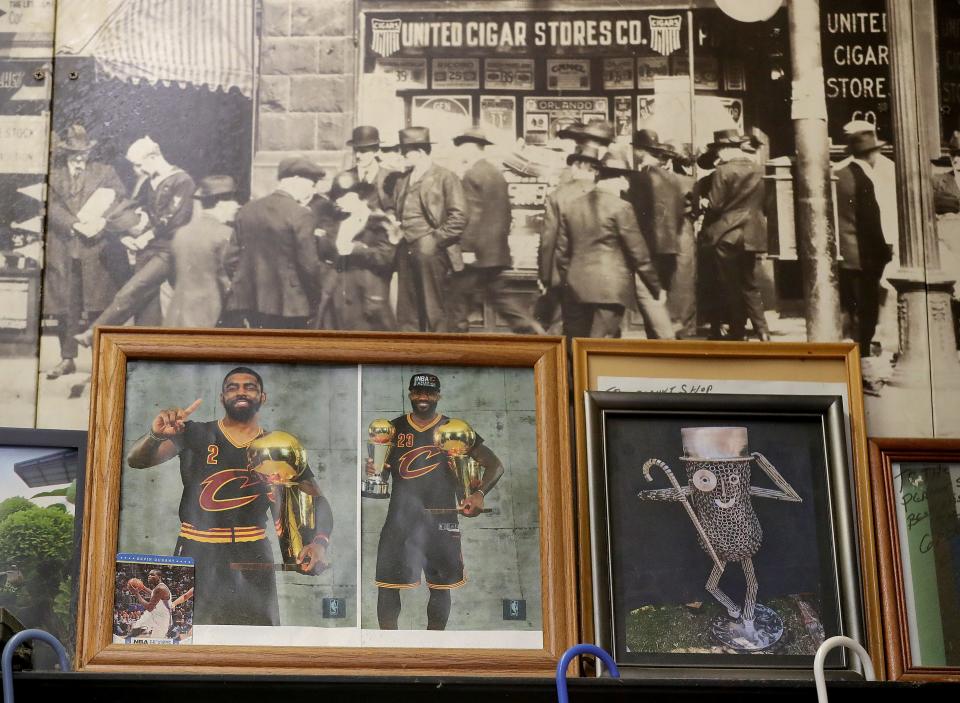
(327, 502)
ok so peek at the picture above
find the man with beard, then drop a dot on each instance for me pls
(422, 532)
(224, 506)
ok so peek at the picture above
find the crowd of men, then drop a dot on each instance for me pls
(626, 228)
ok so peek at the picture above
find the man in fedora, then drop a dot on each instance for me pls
(279, 271)
(200, 249)
(734, 233)
(584, 163)
(365, 142)
(861, 240)
(600, 251)
(165, 193)
(486, 252)
(77, 280)
(657, 200)
(431, 208)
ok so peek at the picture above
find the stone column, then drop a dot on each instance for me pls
(928, 356)
(816, 238)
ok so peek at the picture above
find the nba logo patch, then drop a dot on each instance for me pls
(514, 609)
(334, 608)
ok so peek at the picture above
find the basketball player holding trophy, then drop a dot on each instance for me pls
(440, 468)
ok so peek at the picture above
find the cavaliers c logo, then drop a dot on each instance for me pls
(214, 482)
(427, 453)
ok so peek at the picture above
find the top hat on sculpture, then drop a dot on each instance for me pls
(75, 140)
(364, 136)
(586, 154)
(414, 136)
(472, 134)
(717, 497)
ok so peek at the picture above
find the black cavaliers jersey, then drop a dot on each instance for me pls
(218, 489)
(422, 474)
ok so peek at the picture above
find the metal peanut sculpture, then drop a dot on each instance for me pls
(717, 499)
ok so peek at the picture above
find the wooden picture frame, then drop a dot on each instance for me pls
(897, 516)
(688, 367)
(116, 349)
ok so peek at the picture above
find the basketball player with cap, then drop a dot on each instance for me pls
(224, 505)
(422, 530)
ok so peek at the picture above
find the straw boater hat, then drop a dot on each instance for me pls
(587, 154)
(473, 134)
(364, 136)
(75, 140)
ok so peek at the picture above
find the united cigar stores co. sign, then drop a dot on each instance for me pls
(395, 34)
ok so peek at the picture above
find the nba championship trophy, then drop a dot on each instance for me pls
(380, 436)
(457, 438)
(280, 460)
(717, 498)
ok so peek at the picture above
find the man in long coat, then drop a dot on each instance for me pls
(77, 278)
(431, 208)
(486, 251)
(279, 275)
(861, 241)
(367, 168)
(600, 251)
(734, 234)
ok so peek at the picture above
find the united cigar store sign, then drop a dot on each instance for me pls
(661, 33)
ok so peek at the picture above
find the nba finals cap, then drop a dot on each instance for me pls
(426, 381)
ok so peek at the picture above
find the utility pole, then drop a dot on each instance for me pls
(816, 237)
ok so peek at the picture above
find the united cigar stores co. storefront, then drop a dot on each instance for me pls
(523, 74)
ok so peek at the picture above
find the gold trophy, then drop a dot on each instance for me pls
(280, 460)
(380, 436)
(457, 438)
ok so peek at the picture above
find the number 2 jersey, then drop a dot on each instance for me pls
(222, 501)
(422, 474)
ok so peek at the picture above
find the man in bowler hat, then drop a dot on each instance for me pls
(279, 273)
(486, 252)
(600, 251)
(200, 251)
(861, 240)
(734, 233)
(365, 142)
(77, 280)
(431, 208)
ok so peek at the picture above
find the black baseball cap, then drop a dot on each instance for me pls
(426, 381)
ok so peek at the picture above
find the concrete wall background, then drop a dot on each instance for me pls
(501, 552)
(318, 404)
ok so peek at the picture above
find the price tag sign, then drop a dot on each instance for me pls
(407, 74)
(618, 74)
(456, 73)
(508, 74)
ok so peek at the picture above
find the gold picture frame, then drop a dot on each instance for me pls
(117, 348)
(687, 367)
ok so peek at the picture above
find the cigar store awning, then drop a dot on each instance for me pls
(188, 42)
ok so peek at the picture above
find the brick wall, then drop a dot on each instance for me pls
(307, 65)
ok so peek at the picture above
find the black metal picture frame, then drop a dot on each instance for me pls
(673, 571)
